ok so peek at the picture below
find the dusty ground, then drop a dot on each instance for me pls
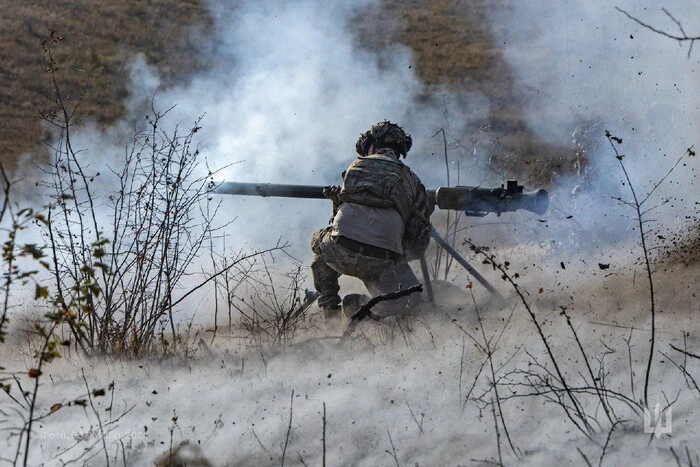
(414, 391)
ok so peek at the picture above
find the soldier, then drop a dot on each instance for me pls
(381, 220)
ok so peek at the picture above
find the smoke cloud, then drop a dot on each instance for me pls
(290, 89)
(588, 68)
(289, 92)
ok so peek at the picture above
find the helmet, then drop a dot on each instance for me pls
(384, 135)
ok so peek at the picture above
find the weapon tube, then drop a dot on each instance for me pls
(473, 200)
(270, 189)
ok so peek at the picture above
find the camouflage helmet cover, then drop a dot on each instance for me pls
(384, 134)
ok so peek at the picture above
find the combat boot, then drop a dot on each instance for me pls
(334, 318)
(330, 312)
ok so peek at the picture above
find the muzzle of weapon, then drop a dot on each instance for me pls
(479, 201)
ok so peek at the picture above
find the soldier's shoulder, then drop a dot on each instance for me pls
(411, 173)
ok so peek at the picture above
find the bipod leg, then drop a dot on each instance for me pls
(426, 279)
(463, 262)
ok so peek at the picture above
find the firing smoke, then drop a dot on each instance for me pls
(291, 88)
(589, 68)
(289, 93)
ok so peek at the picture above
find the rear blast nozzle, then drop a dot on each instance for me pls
(479, 201)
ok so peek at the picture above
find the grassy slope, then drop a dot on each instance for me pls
(451, 39)
(98, 39)
(454, 47)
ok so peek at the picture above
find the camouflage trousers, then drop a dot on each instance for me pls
(380, 276)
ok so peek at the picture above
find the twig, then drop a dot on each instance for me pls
(690, 354)
(6, 188)
(419, 424)
(681, 38)
(33, 400)
(576, 405)
(687, 453)
(476, 380)
(588, 463)
(289, 427)
(365, 310)
(689, 151)
(675, 456)
(478, 345)
(461, 371)
(255, 435)
(224, 270)
(323, 439)
(588, 365)
(97, 415)
(637, 206)
(450, 225)
(172, 453)
(486, 461)
(494, 384)
(629, 356)
(607, 441)
(393, 449)
(688, 377)
(498, 432)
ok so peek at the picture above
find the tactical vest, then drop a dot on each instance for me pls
(381, 181)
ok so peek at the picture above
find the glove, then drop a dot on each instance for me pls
(331, 192)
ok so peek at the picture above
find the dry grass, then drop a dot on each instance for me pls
(99, 39)
(451, 38)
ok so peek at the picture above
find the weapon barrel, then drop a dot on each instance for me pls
(270, 189)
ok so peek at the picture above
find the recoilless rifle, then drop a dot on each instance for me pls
(472, 200)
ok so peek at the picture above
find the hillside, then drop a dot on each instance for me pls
(451, 40)
(98, 39)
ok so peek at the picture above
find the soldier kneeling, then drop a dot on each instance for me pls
(381, 220)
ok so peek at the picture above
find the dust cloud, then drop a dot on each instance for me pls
(589, 68)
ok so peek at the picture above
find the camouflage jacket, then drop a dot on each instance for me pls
(382, 180)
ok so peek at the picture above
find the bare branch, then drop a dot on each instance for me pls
(289, 427)
(690, 354)
(683, 37)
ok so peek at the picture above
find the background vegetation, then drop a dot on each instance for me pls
(100, 37)
(453, 47)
